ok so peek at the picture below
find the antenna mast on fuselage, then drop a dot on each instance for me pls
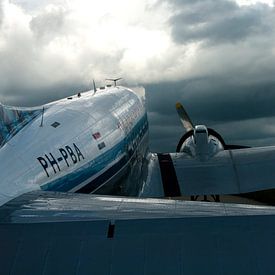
(114, 80)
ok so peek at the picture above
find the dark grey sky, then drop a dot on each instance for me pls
(216, 57)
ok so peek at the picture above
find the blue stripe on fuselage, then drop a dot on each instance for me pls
(93, 167)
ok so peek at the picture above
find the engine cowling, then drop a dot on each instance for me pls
(201, 142)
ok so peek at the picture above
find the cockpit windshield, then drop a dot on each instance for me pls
(13, 119)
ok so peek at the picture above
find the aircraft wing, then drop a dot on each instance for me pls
(229, 172)
(68, 233)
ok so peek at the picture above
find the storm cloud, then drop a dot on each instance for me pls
(228, 82)
(216, 57)
(1, 12)
(242, 114)
(219, 21)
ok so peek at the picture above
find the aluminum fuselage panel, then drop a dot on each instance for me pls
(79, 137)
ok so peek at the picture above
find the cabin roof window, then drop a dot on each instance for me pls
(55, 124)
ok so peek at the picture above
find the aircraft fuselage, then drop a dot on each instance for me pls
(80, 144)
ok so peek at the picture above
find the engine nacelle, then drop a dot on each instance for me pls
(201, 143)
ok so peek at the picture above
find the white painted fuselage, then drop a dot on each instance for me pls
(78, 144)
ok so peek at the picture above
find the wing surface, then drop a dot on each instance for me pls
(228, 172)
(55, 233)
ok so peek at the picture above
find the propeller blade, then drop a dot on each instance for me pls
(184, 118)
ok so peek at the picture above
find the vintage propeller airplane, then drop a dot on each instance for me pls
(97, 141)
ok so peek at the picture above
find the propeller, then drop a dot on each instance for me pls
(189, 127)
(184, 118)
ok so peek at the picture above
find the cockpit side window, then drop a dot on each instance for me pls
(13, 119)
